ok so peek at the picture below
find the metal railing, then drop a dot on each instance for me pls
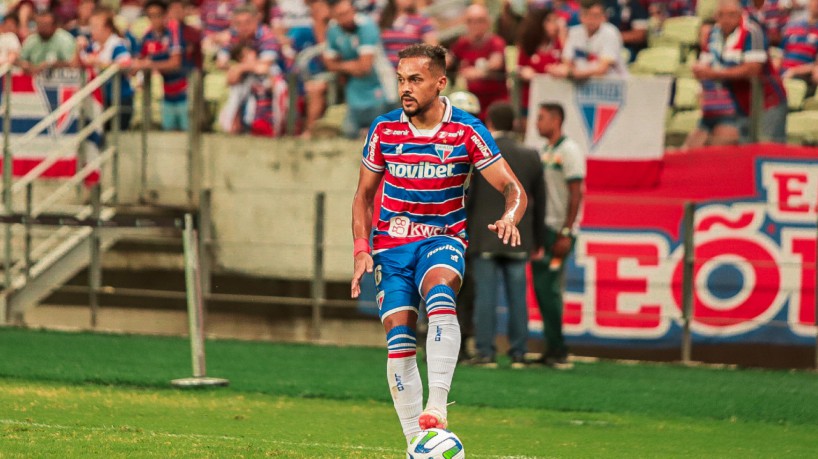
(35, 258)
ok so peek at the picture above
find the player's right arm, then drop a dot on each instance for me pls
(369, 179)
(362, 208)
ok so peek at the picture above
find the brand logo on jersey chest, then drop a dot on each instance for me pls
(421, 170)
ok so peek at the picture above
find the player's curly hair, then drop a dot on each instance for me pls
(435, 53)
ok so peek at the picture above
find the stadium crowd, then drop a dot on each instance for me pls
(353, 44)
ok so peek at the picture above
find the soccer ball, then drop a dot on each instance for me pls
(435, 444)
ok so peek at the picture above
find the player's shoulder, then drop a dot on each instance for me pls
(465, 118)
(571, 146)
(392, 116)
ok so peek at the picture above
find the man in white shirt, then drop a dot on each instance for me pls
(593, 48)
(9, 43)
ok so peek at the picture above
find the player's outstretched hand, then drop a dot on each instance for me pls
(363, 263)
(506, 231)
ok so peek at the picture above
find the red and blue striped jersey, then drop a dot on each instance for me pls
(424, 174)
(406, 30)
(800, 44)
(159, 47)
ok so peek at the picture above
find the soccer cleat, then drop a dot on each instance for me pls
(432, 418)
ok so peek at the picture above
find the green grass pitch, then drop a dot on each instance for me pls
(93, 395)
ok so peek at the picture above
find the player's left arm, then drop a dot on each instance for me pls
(500, 176)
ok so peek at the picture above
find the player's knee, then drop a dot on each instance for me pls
(401, 342)
(440, 301)
(400, 318)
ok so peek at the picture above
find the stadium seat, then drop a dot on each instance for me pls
(140, 27)
(706, 9)
(329, 125)
(682, 30)
(656, 61)
(687, 94)
(802, 128)
(679, 126)
(684, 122)
(796, 92)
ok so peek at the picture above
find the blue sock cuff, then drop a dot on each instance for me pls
(440, 289)
(400, 330)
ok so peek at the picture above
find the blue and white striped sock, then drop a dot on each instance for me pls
(404, 378)
(442, 344)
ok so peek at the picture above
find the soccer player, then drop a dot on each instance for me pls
(424, 152)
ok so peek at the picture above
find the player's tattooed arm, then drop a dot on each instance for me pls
(500, 176)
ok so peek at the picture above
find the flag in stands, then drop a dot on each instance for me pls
(32, 100)
(619, 123)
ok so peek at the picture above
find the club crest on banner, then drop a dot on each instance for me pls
(599, 101)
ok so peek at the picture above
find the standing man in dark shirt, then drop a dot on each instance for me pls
(492, 260)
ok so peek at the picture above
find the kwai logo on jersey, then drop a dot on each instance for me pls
(443, 151)
(599, 101)
(403, 227)
(423, 169)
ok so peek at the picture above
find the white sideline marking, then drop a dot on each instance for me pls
(131, 429)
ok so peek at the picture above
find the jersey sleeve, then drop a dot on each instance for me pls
(372, 155)
(120, 54)
(483, 151)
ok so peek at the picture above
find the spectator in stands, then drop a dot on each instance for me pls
(734, 55)
(270, 14)
(771, 15)
(49, 48)
(27, 12)
(631, 18)
(401, 25)
(162, 51)
(65, 10)
(479, 57)
(540, 48)
(265, 115)
(191, 36)
(512, 14)
(671, 8)
(216, 16)
(567, 10)
(593, 48)
(800, 46)
(79, 26)
(314, 76)
(9, 43)
(354, 52)
(563, 164)
(130, 10)
(106, 47)
(491, 259)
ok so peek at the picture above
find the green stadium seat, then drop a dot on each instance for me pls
(330, 124)
(796, 92)
(140, 27)
(684, 122)
(802, 127)
(706, 9)
(687, 95)
(683, 30)
(657, 61)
